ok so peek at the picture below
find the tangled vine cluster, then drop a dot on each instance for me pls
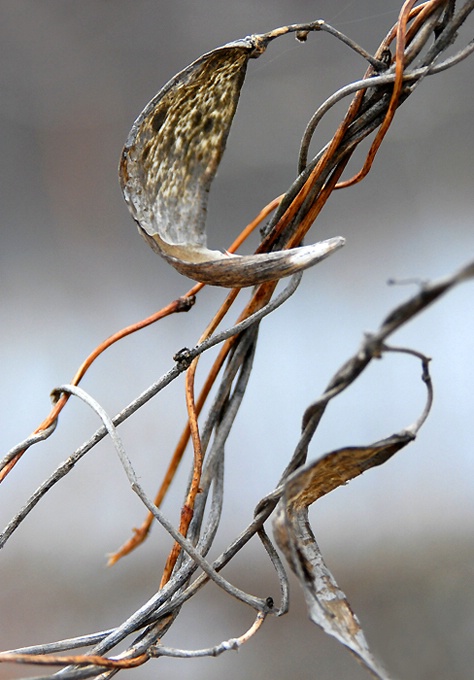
(165, 184)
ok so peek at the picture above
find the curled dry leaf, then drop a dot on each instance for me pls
(171, 157)
(327, 604)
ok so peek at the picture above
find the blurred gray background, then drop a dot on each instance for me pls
(74, 75)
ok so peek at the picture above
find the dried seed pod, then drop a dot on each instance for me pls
(170, 159)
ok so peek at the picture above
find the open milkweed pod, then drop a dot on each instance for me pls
(171, 157)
